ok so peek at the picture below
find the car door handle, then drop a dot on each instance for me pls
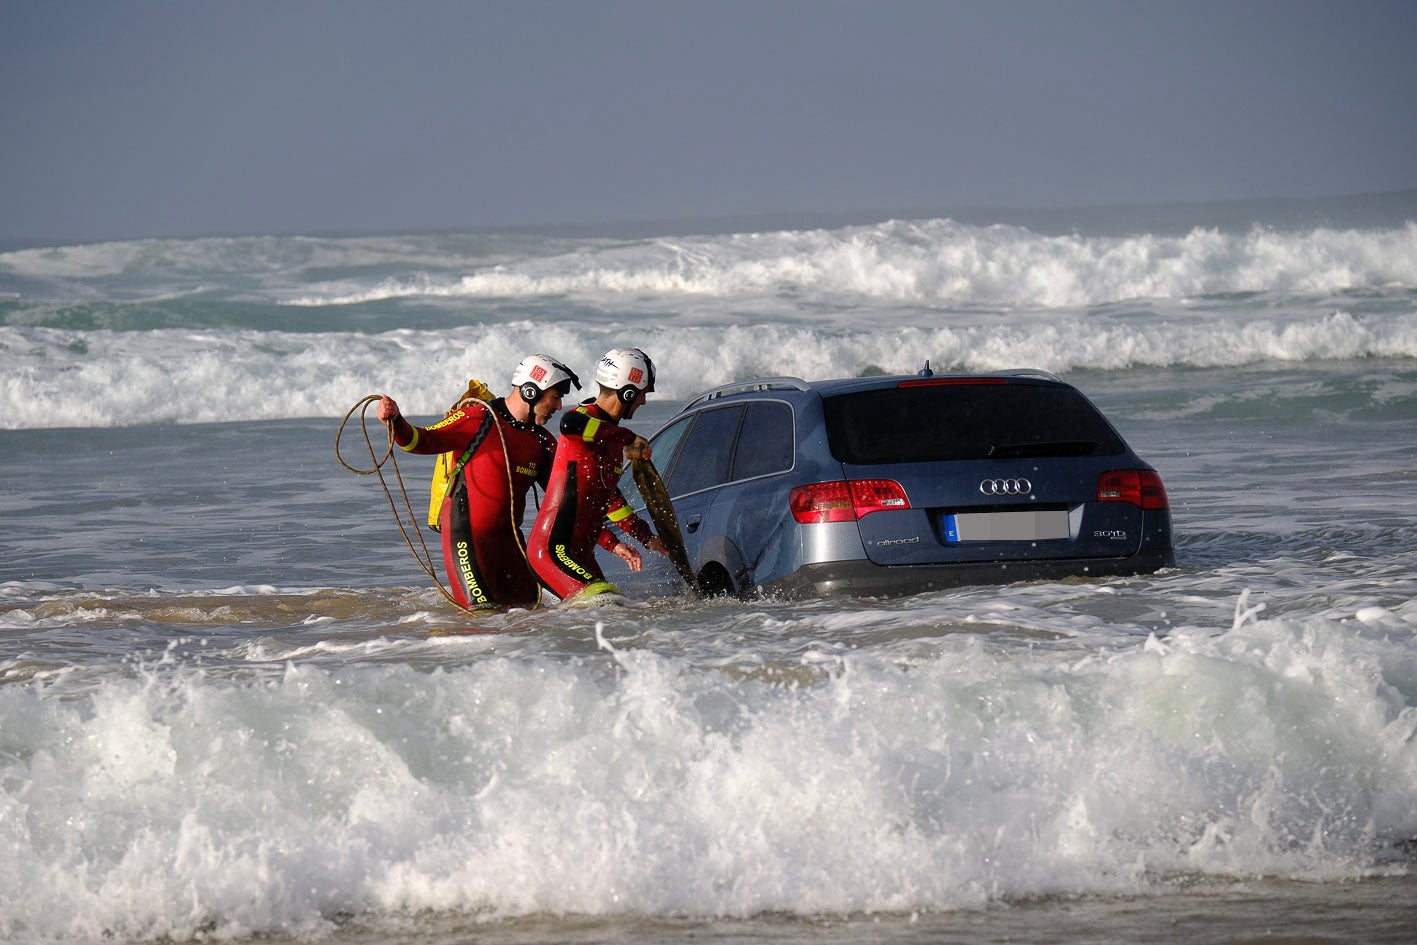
(692, 525)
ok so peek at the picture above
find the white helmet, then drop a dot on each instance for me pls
(627, 371)
(538, 373)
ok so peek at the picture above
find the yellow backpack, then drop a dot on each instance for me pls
(443, 468)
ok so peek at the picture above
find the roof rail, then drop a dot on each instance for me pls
(1029, 372)
(743, 387)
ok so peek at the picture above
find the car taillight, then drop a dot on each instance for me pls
(845, 500)
(1138, 486)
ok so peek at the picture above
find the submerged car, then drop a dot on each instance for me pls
(894, 485)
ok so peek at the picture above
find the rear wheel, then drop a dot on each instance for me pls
(714, 581)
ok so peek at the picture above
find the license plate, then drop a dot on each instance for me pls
(1039, 525)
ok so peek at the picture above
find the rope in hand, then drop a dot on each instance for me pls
(425, 560)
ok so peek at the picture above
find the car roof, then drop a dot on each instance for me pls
(789, 386)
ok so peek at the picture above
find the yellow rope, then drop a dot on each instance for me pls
(425, 560)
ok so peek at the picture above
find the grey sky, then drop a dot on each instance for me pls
(196, 117)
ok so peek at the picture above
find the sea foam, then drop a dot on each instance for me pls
(939, 262)
(268, 328)
(929, 262)
(103, 378)
(952, 773)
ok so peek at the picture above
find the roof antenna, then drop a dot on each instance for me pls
(925, 371)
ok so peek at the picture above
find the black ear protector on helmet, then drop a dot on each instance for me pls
(628, 394)
(530, 392)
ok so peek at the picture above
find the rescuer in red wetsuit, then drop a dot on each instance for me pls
(584, 492)
(503, 447)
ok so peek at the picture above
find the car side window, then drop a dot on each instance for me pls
(765, 441)
(704, 458)
(662, 455)
(662, 452)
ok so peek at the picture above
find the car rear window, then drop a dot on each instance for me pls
(928, 423)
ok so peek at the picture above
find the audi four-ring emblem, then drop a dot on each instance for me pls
(1006, 487)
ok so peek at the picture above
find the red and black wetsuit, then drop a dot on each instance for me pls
(482, 543)
(583, 495)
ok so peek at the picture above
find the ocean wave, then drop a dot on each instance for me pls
(281, 257)
(172, 803)
(932, 263)
(940, 263)
(106, 378)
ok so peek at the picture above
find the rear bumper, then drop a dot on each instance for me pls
(862, 578)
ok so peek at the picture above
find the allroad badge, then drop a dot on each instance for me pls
(1006, 487)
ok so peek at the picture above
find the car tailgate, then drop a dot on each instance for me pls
(997, 511)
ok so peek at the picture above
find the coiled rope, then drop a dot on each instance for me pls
(425, 559)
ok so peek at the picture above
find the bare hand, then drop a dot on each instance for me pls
(388, 410)
(629, 555)
(656, 544)
(638, 449)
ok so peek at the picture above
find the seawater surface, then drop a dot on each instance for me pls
(233, 706)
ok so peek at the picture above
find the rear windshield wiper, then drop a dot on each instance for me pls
(1054, 448)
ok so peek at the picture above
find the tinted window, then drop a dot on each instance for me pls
(664, 442)
(703, 459)
(764, 441)
(965, 421)
(662, 456)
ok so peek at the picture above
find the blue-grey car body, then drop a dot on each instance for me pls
(731, 457)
